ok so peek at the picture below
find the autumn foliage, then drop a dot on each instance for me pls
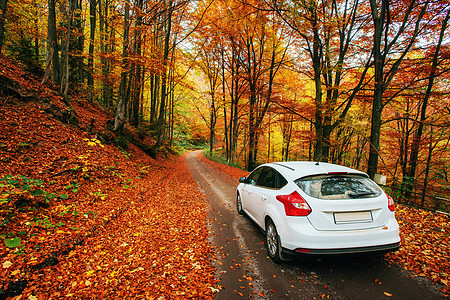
(358, 83)
(85, 219)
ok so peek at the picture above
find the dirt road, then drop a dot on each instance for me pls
(246, 271)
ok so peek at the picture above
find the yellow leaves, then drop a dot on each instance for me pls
(113, 273)
(387, 294)
(94, 142)
(15, 272)
(89, 273)
(32, 260)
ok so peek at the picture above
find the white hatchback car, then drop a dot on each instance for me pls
(318, 208)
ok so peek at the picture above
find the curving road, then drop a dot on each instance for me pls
(246, 272)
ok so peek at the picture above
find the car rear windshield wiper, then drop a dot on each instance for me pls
(360, 194)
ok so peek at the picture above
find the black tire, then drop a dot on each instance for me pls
(273, 244)
(239, 205)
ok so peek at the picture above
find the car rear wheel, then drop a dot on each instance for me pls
(239, 205)
(273, 242)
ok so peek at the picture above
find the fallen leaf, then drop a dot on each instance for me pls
(7, 264)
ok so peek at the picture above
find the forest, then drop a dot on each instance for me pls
(362, 83)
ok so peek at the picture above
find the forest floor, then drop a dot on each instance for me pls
(84, 219)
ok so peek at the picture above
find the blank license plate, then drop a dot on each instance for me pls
(353, 217)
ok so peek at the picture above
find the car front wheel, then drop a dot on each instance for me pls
(239, 205)
(273, 242)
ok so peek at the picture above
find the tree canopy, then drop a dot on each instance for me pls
(356, 82)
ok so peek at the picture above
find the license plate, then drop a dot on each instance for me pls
(353, 217)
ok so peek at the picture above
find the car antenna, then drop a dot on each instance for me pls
(317, 163)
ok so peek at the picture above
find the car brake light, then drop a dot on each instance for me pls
(294, 204)
(391, 204)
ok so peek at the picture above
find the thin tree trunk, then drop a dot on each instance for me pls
(3, 5)
(227, 145)
(65, 74)
(121, 108)
(161, 126)
(90, 66)
(415, 147)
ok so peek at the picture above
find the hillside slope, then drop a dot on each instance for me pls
(85, 219)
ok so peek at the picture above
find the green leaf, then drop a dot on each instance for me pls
(12, 243)
(64, 196)
(37, 192)
(6, 177)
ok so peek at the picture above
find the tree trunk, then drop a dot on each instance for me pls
(415, 147)
(212, 122)
(161, 126)
(90, 65)
(3, 5)
(225, 121)
(65, 72)
(105, 50)
(76, 47)
(137, 48)
(53, 48)
(121, 108)
(380, 50)
(377, 102)
(316, 59)
(287, 133)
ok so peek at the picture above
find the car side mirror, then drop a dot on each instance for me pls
(243, 180)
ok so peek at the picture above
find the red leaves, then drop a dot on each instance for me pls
(126, 226)
(425, 245)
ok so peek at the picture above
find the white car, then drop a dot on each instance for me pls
(318, 208)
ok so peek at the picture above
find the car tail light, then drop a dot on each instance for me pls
(294, 205)
(391, 204)
(303, 250)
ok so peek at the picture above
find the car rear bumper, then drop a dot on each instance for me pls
(302, 237)
(380, 248)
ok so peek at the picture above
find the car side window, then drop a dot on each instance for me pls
(267, 177)
(280, 181)
(253, 177)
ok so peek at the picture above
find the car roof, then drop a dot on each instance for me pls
(298, 169)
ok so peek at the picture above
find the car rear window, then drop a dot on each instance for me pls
(338, 187)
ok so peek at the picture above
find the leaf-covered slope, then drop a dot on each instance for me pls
(85, 219)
